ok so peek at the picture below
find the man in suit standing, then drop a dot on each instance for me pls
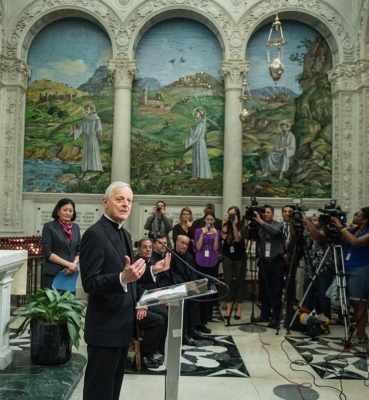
(109, 277)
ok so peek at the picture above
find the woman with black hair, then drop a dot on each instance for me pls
(208, 247)
(234, 260)
(60, 242)
(356, 250)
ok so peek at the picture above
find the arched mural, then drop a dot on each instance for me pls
(178, 111)
(287, 142)
(69, 111)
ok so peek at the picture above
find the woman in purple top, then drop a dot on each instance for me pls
(208, 245)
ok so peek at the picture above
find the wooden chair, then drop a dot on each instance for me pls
(136, 347)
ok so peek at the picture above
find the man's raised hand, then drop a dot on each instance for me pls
(133, 272)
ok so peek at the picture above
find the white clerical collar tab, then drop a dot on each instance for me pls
(119, 225)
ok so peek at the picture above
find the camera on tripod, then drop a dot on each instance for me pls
(296, 213)
(332, 209)
(249, 214)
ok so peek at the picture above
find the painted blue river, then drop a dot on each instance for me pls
(41, 175)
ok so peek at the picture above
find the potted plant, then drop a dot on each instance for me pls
(56, 321)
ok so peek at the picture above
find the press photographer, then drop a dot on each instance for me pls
(356, 255)
(158, 222)
(271, 263)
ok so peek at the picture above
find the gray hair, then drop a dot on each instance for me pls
(113, 185)
(180, 236)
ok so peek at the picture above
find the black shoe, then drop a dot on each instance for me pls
(273, 324)
(149, 362)
(202, 328)
(199, 335)
(156, 360)
(186, 340)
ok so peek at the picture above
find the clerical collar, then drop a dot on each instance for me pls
(119, 225)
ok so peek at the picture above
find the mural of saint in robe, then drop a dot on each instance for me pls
(196, 140)
(284, 148)
(91, 132)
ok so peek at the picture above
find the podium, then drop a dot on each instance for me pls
(174, 295)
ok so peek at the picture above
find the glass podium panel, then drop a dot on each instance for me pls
(167, 294)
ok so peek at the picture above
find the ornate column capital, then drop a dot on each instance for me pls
(123, 71)
(343, 77)
(233, 73)
(362, 72)
(14, 71)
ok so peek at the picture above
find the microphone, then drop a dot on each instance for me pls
(153, 235)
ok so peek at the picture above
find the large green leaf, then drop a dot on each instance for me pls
(50, 306)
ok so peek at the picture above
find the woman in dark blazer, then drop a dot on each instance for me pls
(60, 242)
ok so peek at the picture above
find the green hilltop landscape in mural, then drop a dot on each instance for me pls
(310, 113)
(52, 157)
(160, 125)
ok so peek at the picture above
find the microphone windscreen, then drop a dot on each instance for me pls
(152, 235)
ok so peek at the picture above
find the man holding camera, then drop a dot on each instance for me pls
(158, 222)
(271, 266)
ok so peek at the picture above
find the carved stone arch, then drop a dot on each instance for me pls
(212, 15)
(1, 26)
(363, 32)
(37, 15)
(315, 14)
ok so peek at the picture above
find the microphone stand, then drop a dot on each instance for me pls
(152, 235)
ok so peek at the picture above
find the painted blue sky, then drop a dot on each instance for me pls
(69, 51)
(175, 39)
(256, 52)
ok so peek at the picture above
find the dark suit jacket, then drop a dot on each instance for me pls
(181, 271)
(165, 278)
(54, 240)
(110, 315)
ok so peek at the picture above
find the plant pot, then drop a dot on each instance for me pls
(50, 343)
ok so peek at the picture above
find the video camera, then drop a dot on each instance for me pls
(332, 209)
(249, 214)
(296, 214)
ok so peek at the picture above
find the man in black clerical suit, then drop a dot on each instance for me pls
(109, 277)
(165, 278)
(192, 324)
(147, 282)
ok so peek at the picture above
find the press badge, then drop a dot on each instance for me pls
(231, 249)
(267, 249)
(348, 256)
(206, 253)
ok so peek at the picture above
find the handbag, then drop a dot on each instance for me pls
(334, 294)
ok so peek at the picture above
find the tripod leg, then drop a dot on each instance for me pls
(313, 279)
(263, 276)
(286, 293)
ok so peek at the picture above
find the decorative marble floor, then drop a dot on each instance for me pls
(327, 357)
(216, 357)
(22, 380)
(261, 351)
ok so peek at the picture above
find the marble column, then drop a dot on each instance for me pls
(14, 74)
(350, 161)
(124, 71)
(10, 262)
(233, 74)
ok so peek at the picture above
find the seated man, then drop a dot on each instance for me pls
(148, 281)
(193, 326)
(164, 278)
